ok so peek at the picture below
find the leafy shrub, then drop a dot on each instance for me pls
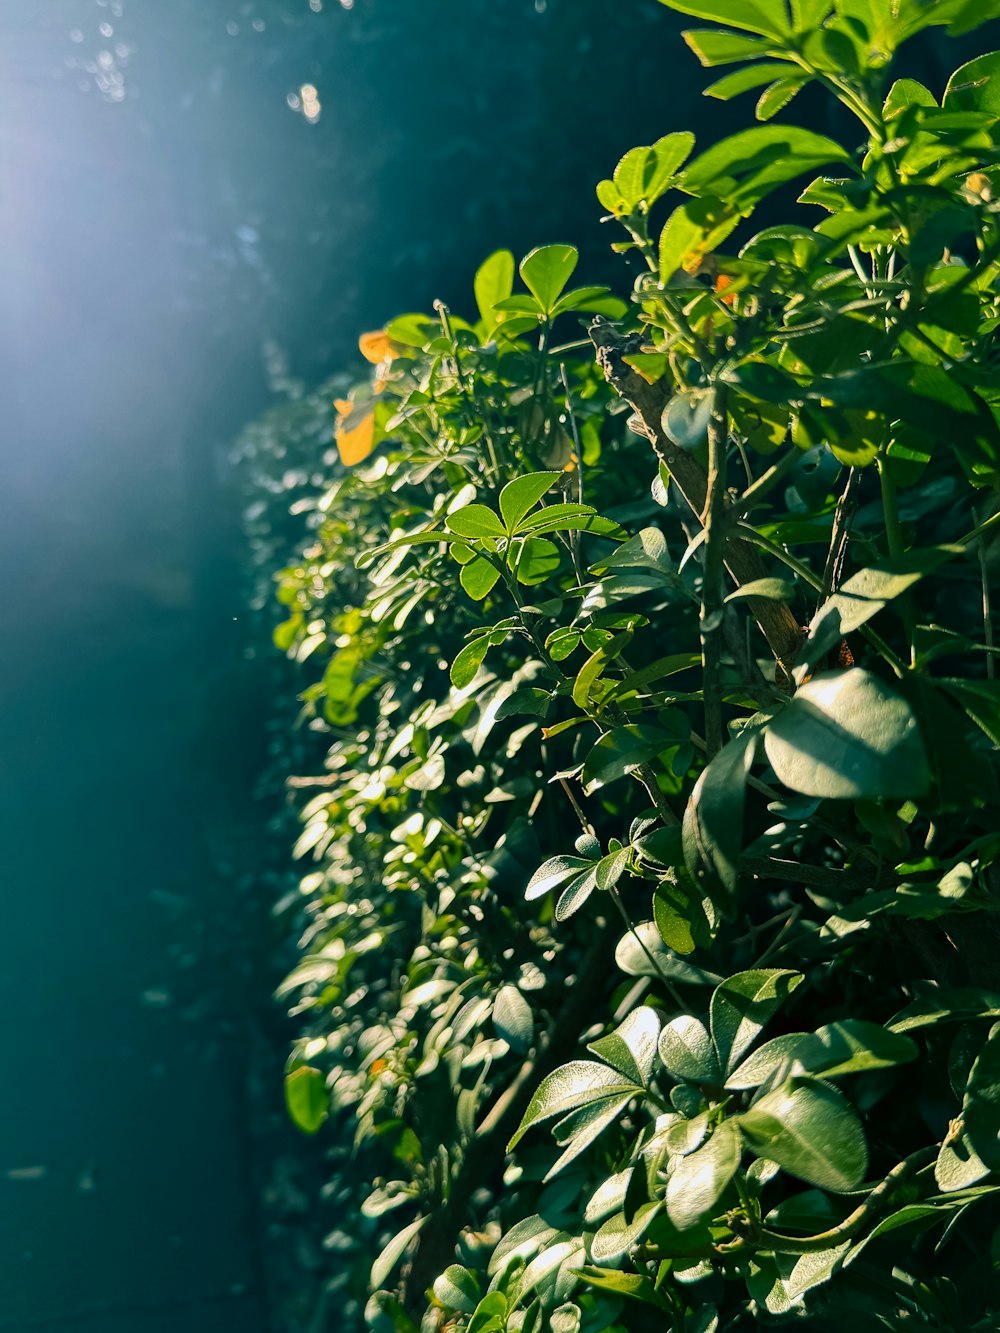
(648, 943)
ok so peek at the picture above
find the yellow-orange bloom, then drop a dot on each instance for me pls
(354, 432)
(377, 347)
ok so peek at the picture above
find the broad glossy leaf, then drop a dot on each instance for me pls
(571, 1086)
(698, 1181)
(513, 1019)
(685, 919)
(557, 870)
(641, 953)
(493, 282)
(475, 520)
(713, 819)
(742, 80)
(546, 271)
(811, 1131)
(975, 86)
(746, 166)
(522, 494)
(536, 560)
(845, 735)
(621, 751)
(687, 1052)
(578, 1130)
(616, 1236)
(981, 1106)
(575, 894)
(478, 578)
(946, 1004)
(457, 1289)
(958, 1165)
(866, 593)
(742, 1005)
(686, 417)
(631, 1048)
(851, 1046)
(715, 47)
(307, 1098)
(692, 231)
(760, 1064)
(768, 17)
(812, 1270)
(468, 661)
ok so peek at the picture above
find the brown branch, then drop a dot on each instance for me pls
(779, 626)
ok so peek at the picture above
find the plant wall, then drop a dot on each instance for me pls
(648, 969)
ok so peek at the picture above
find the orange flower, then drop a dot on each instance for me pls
(721, 283)
(354, 431)
(377, 347)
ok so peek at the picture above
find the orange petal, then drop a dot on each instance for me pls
(355, 441)
(344, 406)
(721, 283)
(376, 347)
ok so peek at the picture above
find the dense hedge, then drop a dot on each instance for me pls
(653, 670)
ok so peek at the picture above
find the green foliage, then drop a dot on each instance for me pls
(657, 691)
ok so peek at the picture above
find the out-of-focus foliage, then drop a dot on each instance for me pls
(648, 948)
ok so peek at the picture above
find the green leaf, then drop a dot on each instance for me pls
(622, 751)
(630, 1285)
(946, 1004)
(981, 701)
(546, 271)
(522, 494)
(981, 1107)
(307, 1098)
(641, 953)
(489, 1316)
(845, 734)
(475, 520)
(744, 167)
(631, 1048)
(866, 593)
(686, 417)
(493, 282)
(687, 1052)
(571, 1086)
(393, 1252)
(742, 1005)
(575, 894)
(975, 86)
(767, 17)
(958, 1164)
(713, 47)
(811, 1131)
(771, 589)
(698, 1180)
(742, 80)
(851, 1046)
(692, 231)
(617, 1235)
(468, 661)
(713, 818)
(513, 1019)
(457, 1289)
(557, 870)
(684, 918)
(764, 1062)
(536, 560)
(776, 98)
(812, 1270)
(478, 578)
